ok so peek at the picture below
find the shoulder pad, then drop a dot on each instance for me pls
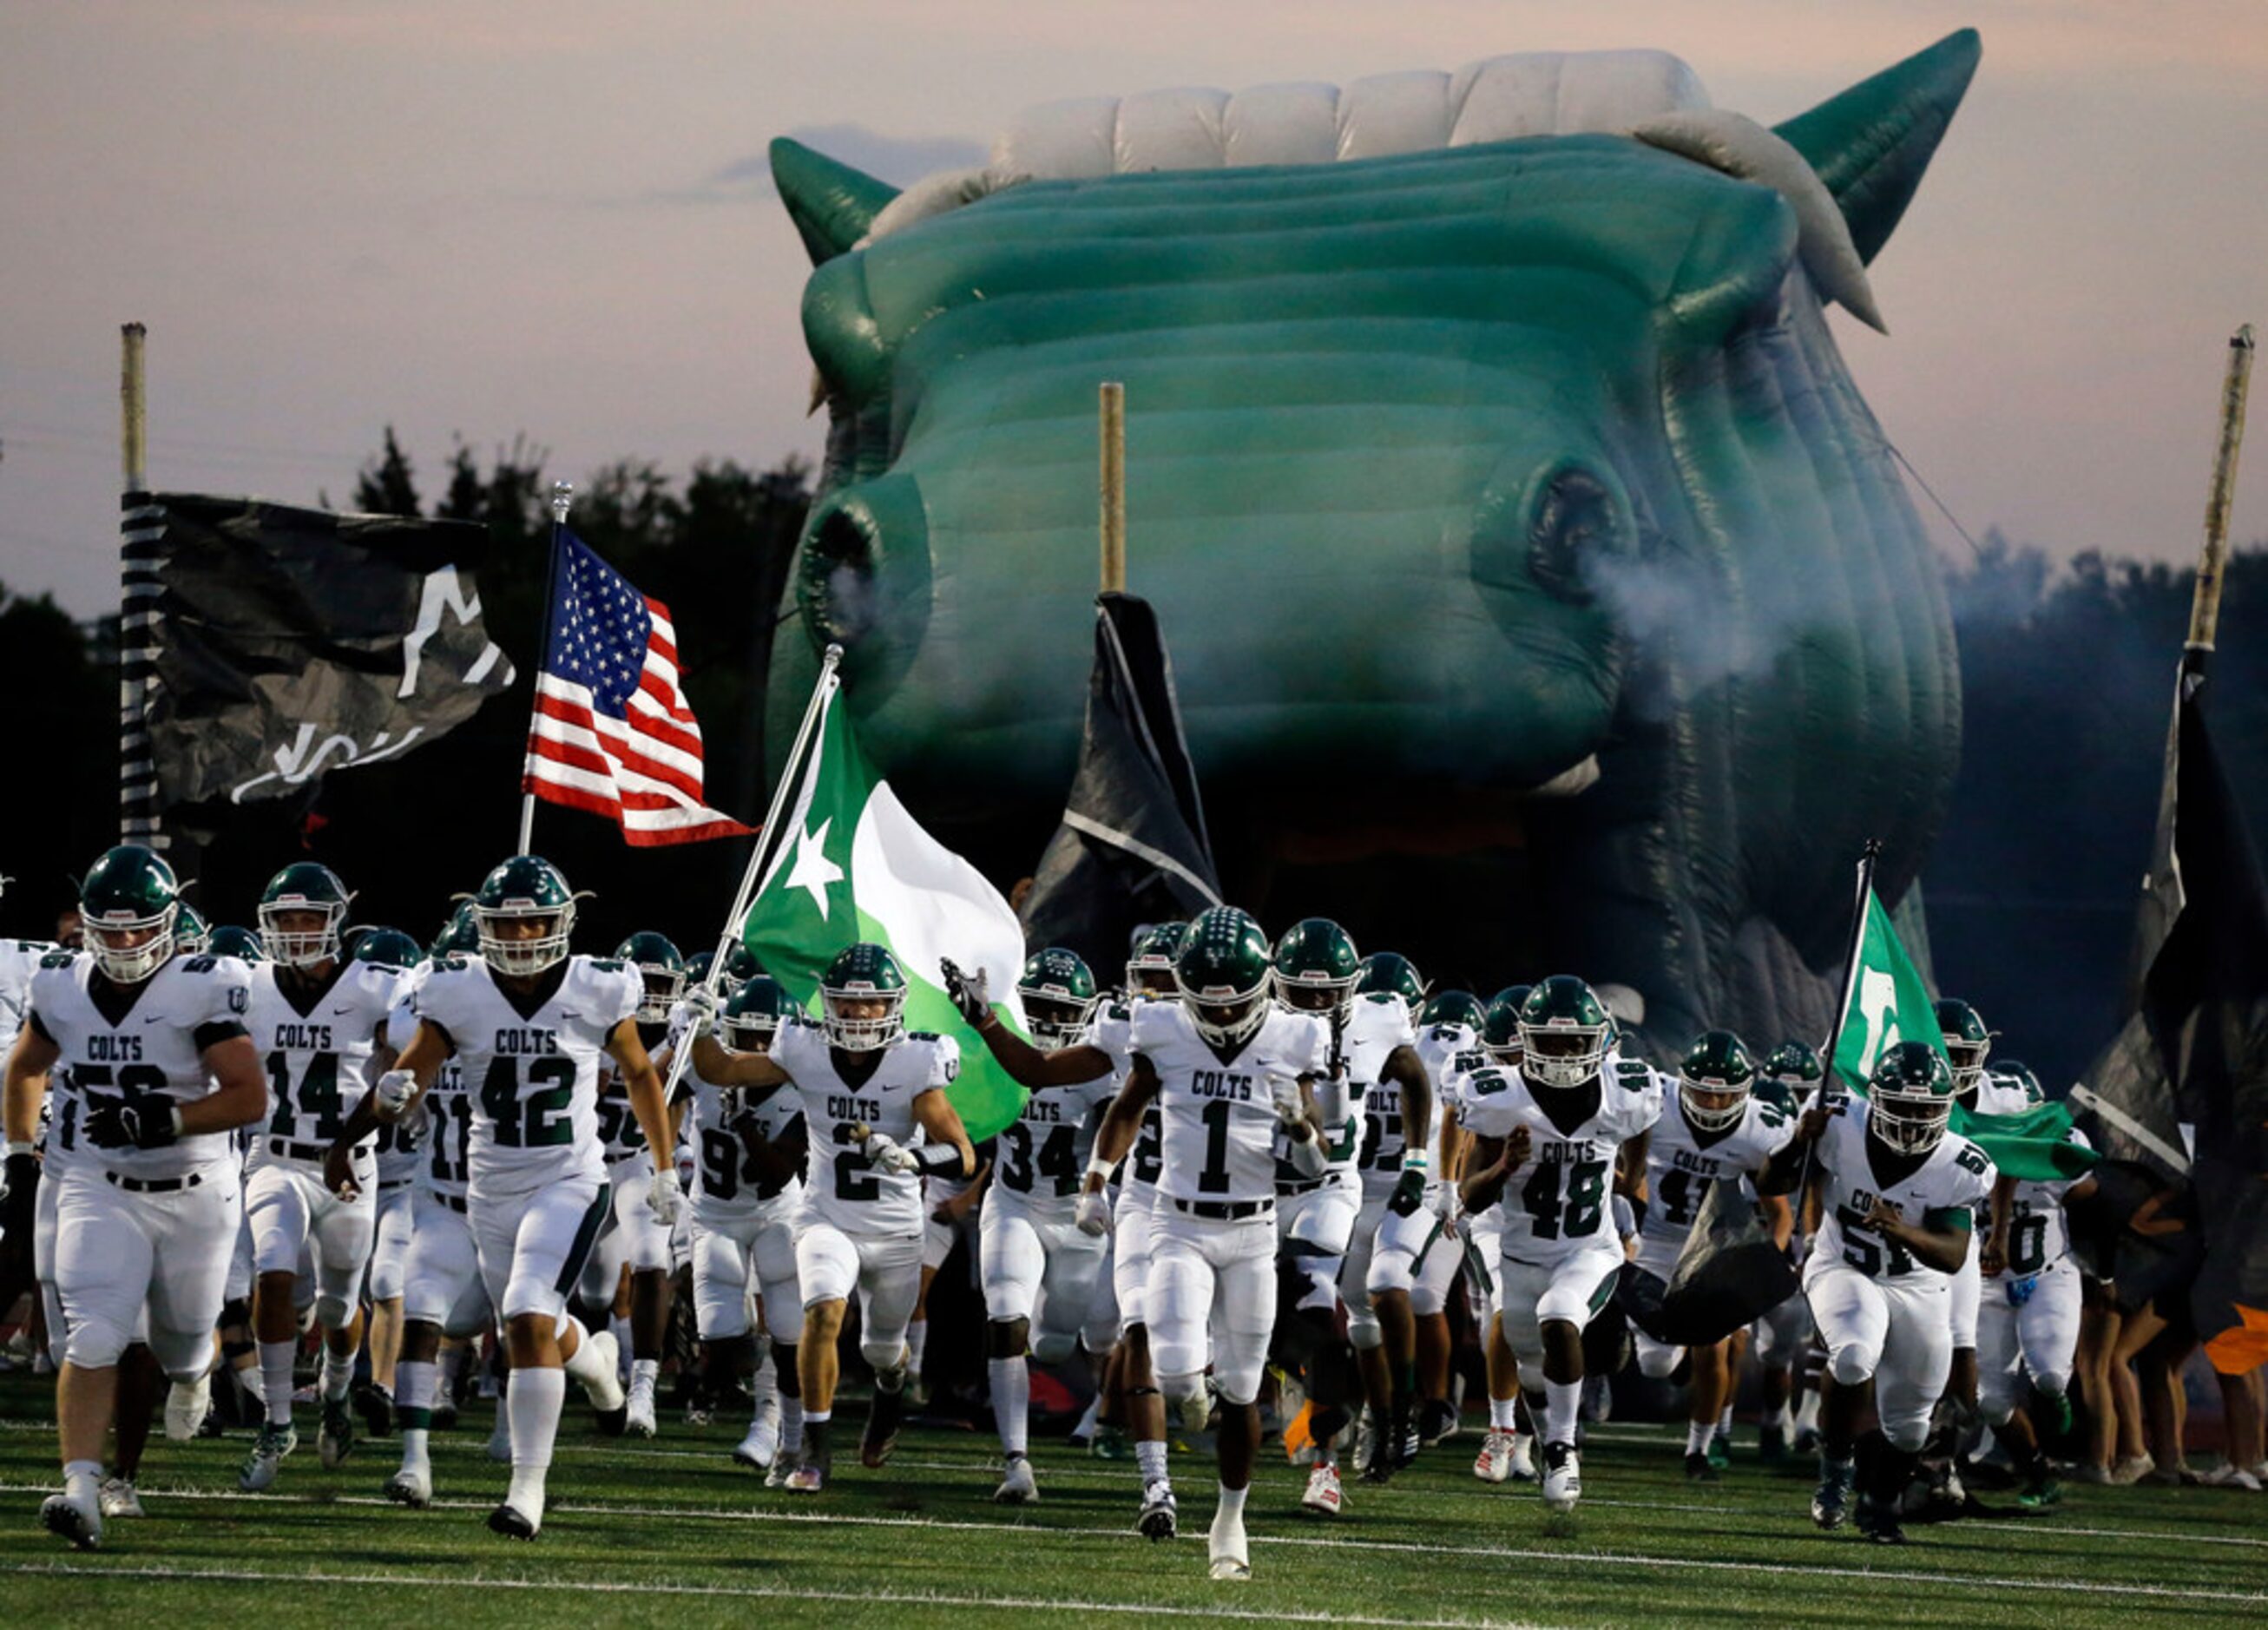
(1381, 996)
(606, 964)
(453, 963)
(1118, 1011)
(1471, 1061)
(922, 1035)
(58, 959)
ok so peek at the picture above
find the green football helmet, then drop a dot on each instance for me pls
(2014, 1076)
(1967, 1044)
(1796, 1062)
(697, 967)
(1909, 1097)
(1563, 1032)
(1058, 991)
(228, 940)
(130, 904)
(755, 1015)
(661, 968)
(1390, 970)
(864, 994)
(1715, 1080)
(459, 937)
(388, 947)
(1500, 1026)
(526, 891)
(305, 889)
(1454, 1008)
(1150, 959)
(1223, 974)
(192, 933)
(1315, 967)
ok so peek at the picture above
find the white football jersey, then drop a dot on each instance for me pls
(1217, 1121)
(725, 1186)
(316, 1043)
(1377, 1024)
(1111, 1029)
(19, 960)
(2039, 1233)
(1040, 1156)
(1558, 1202)
(1383, 1138)
(154, 1049)
(1681, 1161)
(531, 1073)
(839, 1186)
(1957, 1175)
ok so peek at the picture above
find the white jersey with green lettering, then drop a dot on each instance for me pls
(839, 1186)
(1217, 1117)
(1557, 1202)
(1956, 1176)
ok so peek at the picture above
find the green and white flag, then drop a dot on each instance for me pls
(1887, 1003)
(853, 865)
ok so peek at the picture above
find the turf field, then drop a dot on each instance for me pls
(669, 1532)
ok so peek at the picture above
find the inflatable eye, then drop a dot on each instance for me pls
(1572, 518)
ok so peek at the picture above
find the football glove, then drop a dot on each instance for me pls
(699, 1006)
(1093, 1216)
(664, 1198)
(885, 1152)
(21, 1173)
(142, 1124)
(967, 991)
(1409, 1194)
(1283, 1098)
(394, 1090)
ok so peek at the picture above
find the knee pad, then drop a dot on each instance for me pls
(333, 1312)
(2053, 1382)
(1007, 1338)
(1054, 1346)
(1656, 1362)
(1364, 1330)
(884, 1359)
(1179, 1389)
(183, 1355)
(1849, 1367)
(95, 1343)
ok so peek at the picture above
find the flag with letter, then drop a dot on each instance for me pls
(852, 865)
(612, 732)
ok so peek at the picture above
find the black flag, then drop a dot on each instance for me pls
(1132, 846)
(1729, 1274)
(292, 642)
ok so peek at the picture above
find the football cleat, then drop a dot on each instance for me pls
(1110, 1443)
(267, 1457)
(1523, 1458)
(606, 1391)
(1324, 1494)
(1082, 1435)
(1699, 1469)
(1493, 1463)
(500, 1436)
(759, 1448)
(1228, 1556)
(117, 1498)
(335, 1440)
(1161, 1514)
(65, 1518)
(1018, 1488)
(1878, 1521)
(2040, 1491)
(808, 1478)
(1438, 1421)
(882, 1434)
(1721, 1449)
(187, 1403)
(779, 1473)
(513, 1524)
(377, 1406)
(1830, 1501)
(1772, 1446)
(413, 1489)
(638, 1409)
(1562, 1477)
(445, 1411)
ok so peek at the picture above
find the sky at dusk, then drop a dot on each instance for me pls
(490, 217)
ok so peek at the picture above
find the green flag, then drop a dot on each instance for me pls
(1887, 1003)
(853, 865)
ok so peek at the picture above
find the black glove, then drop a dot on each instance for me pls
(143, 1123)
(1409, 1194)
(967, 991)
(20, 1178)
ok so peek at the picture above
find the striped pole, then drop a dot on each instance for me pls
(142, 528)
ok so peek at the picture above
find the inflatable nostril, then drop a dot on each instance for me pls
(838, 586)
(862, 577)
(1572, 519)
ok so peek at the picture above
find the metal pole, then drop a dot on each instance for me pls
(767, 843)
(1114, 488)
(141, 530)
(2212, 560)
(563, 499)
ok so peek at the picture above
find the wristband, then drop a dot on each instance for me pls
(1097, 1167)
(175, 1111)
(19, 1147)
(1413, 1159)
(937, 1160)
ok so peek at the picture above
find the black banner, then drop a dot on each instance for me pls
(1133, 848)
(289, 643)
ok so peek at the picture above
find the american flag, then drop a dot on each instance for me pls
(612, 733)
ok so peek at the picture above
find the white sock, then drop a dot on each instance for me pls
(248, 1377)
(1150, 1456)
(645, 1369)
(338, 1374)
(619, 1327)
(276, 1372)
(83, 1482)
(1775, 1417)
(413, 1381)
(532, 1403)
(1807, 1413)
(1725, 1420)
(1012, 1402)
(1231, 1507)
(1562, 1401)
(1697, 1437)
(917, 1344)
(1504, 1414)
(765, 1382)
(790, 1423)
(584, 1366)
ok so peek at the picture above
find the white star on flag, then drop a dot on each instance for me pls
(813, 870)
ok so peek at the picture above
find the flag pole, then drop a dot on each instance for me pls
(137, 602)
(563, 498)
(1866, 859)
(766, 843)
(1114, 488)
(2213, 561)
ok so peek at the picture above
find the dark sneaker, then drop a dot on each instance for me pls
(1698, 1469)
(1830, 1501)
(1878, 1521)
(881, 1436)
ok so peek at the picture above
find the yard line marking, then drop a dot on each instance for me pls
(1836, 1566)
(911, 1598)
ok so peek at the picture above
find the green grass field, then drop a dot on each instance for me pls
(670, 1531)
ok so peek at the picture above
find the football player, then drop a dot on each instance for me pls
(1778, 1340)
(1717, 1127)
(1507, 1451)
(156, 1070)
(874, 1101)
(1040, 1270)
(398, 1156)
(318, 1019)
(1898, 1191)
(1230, 1072)
(530, 1022)
(1552, 1140)
(747, 1191)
